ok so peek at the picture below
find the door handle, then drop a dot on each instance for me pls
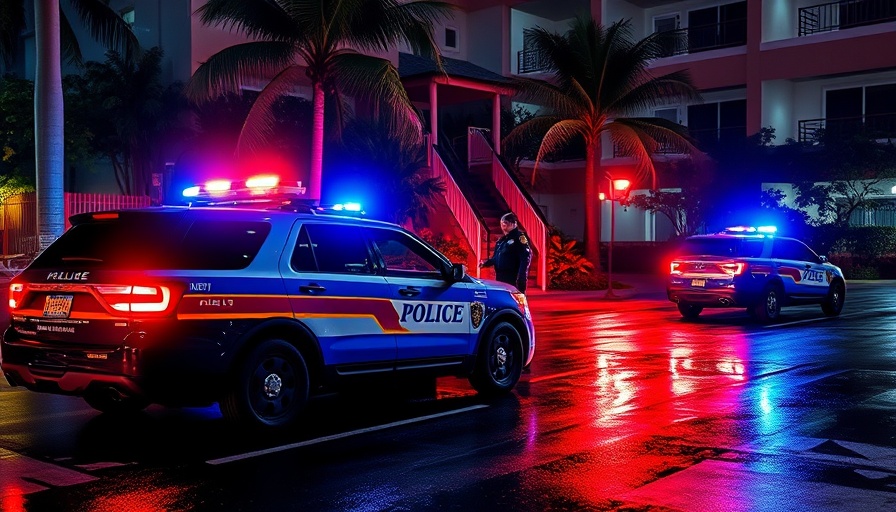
(312, 288)
(409, 292)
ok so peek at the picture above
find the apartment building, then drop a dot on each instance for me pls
(794, 65)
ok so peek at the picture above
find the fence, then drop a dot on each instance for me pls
(18, 216)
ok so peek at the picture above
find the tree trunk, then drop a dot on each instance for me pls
(592, 206)
(315, 170)
(49, 148)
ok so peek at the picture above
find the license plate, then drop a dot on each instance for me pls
(57, 306)
(698, 282)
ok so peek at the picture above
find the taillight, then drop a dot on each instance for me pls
(675, 267)
(136, 299)
(734, 268)
(16, 292)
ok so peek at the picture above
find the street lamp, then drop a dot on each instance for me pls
(615, 186)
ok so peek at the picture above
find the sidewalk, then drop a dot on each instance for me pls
(627, 288)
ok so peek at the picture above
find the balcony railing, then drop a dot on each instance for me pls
(703, 38)
(845, 14)
(529, 61)
(877, 126)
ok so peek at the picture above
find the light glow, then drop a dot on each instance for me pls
(217, 185)
(621, 184)
(263, 181)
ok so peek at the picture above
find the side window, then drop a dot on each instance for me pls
(331, 248)
(402, 255)
(302, 256)
(792, 250)
(217, 245)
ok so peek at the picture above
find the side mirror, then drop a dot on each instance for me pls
(458, 272)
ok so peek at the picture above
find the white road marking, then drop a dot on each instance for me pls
(20, 475)
(285, 447)
(818, 319)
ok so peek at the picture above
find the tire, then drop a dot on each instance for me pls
(689, 311)
(833, 304)
(270, 389)
(109, 401)
(500, 361)
(768, 309)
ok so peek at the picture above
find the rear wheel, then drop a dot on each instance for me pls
(500, 361)
(689, 311)
(833, 304)
(270, 389)
(768, 309)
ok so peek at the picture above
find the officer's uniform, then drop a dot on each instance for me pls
(511, 259)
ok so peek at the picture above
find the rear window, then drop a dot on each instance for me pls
(157, 242)
(724, 247)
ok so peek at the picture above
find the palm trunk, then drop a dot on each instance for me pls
(49, 149)
(592, 208)
(315, 170)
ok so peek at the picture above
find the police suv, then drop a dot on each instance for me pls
(256, 308)
(750, 267)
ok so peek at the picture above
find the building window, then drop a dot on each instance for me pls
(128, 16)
(717, 27)
(668, 26)
(710, 123)
(451, 38)
(871, 108)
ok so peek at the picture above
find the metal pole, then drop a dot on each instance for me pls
(610, 293)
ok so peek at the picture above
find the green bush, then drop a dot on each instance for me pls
(453, 248)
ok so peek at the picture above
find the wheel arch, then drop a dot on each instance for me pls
(294, 333)
(514, 319)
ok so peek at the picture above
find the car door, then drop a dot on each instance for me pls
(801, 270)
(334, 290)
(434, 312)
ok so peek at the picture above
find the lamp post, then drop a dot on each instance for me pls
(615, 185)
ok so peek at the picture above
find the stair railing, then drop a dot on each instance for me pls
(460, 207)
(517, 199)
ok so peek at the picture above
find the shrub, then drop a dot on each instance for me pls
(452, 248)
(567, 267)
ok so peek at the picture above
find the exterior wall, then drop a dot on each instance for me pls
(490, 29)
(520, 21)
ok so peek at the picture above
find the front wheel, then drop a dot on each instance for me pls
(768, 309)
(270, 389)
(500, 361)
(689, 311)
(833, 304)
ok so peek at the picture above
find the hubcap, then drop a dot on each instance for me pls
(501, 356)
(272, 385)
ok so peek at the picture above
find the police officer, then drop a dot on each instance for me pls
(512, 254)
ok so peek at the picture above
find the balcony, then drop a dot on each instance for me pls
(703, 38)
(846, 14)
(529, 61)
(876, 126)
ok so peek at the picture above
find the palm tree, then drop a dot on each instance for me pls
(599, 82)
(53, 38)
(296, 41)
(397, 170)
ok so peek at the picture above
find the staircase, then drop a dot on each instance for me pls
(482, 191)
(486, 199)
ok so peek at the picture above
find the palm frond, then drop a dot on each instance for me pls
(68, 43)
(260, 122)
(257, 19)
(107, 26)
(230, 68)
(376, 81)
(12, 21)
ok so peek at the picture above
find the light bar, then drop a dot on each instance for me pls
(349, 207)
(264, 181)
